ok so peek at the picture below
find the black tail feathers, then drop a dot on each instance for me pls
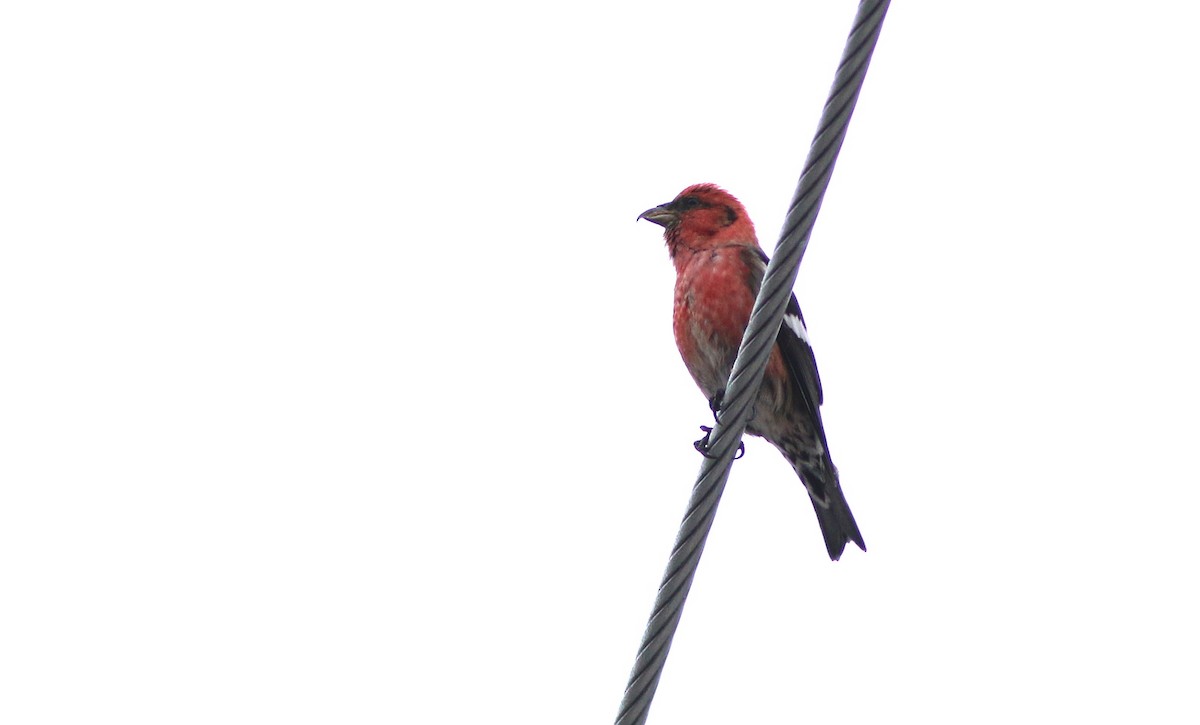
(837, 523)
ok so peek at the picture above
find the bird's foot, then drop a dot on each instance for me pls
(702, 444)
(714, 403)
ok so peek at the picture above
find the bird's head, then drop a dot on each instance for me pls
(701, 217)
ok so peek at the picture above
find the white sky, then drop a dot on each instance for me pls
(339, 384)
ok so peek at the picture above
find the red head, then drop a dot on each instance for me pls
(703, 216)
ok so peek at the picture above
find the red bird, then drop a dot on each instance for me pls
(719, 268)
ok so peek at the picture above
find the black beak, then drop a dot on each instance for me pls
(662, 215)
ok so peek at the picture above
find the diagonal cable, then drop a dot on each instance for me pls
(751, 361)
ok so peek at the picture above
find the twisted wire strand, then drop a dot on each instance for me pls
(751, 362)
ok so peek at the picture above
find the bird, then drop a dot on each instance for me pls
(719, 267)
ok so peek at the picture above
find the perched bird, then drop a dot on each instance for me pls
(719, 268)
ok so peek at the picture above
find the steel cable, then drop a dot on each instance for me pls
(751, 362)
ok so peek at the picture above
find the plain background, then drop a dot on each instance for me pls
(338, 383)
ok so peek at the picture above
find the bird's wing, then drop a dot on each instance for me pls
(792, 340)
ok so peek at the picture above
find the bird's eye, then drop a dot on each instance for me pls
(687, 202)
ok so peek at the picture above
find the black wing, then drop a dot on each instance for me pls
(792, 340)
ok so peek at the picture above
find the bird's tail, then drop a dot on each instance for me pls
(833, 513)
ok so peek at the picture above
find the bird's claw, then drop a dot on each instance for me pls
(702, 444)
